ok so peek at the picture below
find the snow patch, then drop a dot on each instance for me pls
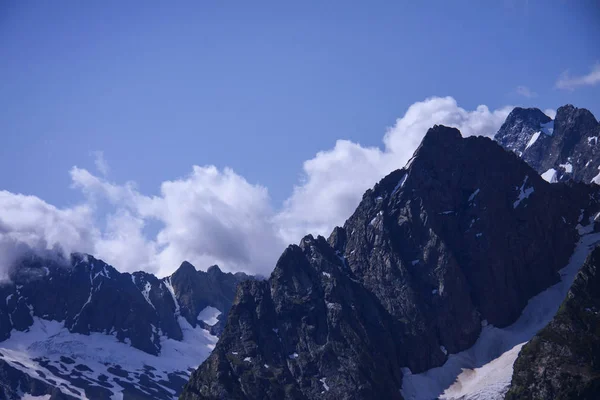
(484, 371)
(400, 182)
(327, 274)
(293, 356)
(568, 167)
(533, 139)
(524, 193)
(325, 386)
(50, 340)
(443, 349)
(596, 179)
(169, 287)
(472, 196)
(550, 176)
(146, 293)
(209, 315)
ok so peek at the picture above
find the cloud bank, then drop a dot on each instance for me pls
(214, 216)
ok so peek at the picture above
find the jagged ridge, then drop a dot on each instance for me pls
(562, 149)
(88, 296)
(464, 234)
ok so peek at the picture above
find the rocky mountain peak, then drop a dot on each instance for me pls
(440, 135)
(214, 270)
(185, 269)
(527, 116)
(560, 150)
(579, 120)
(411, 277)
(522, 128)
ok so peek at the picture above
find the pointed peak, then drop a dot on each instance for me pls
(307, 241)
(185, 268)
(214, 270)
(439, 136)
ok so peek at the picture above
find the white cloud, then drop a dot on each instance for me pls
(214, 216)
(566, 81)
(209, 217)
(335, 180)
(27, 222)
(550, 112)
(100, 162)
(525, 92)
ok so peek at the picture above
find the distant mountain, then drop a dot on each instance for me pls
(81, 327)
(562, 361)
(454, 244)
(562, 149)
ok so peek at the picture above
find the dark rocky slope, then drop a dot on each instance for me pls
(196, 290)
(563, 360)
(90, 296)
(466, 233)
(565, 148)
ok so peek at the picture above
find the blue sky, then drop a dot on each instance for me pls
(260, 87)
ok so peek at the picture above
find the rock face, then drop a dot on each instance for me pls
(465, 233)
(196, 290)
(563, 360)
(89, 297)
(565, 148)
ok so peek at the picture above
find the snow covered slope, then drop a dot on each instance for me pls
(435, 259)
(79, 329)
(484, 371)
(98, 366)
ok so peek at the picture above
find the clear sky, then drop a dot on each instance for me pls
(261, 87)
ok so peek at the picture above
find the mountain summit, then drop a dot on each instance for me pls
(562, 149)
(459, 239)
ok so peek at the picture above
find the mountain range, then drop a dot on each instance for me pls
(450, 271)
(77, 328)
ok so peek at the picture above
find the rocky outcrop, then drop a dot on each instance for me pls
(196, 290)
(520, 127)
(563, 360)
(465, 233)
(565, 148)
